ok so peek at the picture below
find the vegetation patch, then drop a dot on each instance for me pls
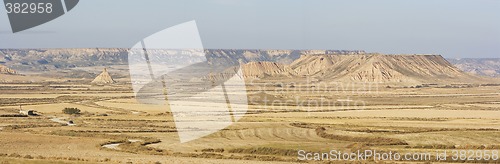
(265, 151)
(321, 131)
(13, 115)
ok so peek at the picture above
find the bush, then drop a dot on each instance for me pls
(15, 155)
(71, 111)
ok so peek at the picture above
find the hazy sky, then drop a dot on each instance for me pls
(453, 28)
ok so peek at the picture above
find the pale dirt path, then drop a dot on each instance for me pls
(60, 120)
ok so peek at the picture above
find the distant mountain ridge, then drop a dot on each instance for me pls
(50, 59)
(484, 67)
(57, 59)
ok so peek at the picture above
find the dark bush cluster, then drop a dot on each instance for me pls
(210, 150)
(71, 111)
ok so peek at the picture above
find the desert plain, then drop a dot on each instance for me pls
(284, 115)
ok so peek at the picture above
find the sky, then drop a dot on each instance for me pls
(452, 28)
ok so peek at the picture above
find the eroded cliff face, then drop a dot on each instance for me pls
(379, 68)
(373, 68)
(266, 69)
(277, 56)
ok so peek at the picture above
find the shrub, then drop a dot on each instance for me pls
(13, 115)
(71, 111)
(15, 155)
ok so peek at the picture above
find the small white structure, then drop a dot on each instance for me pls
(27, 112)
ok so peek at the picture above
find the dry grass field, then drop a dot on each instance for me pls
(114, 127)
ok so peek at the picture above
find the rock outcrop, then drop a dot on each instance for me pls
(103, 78)
(6, 70)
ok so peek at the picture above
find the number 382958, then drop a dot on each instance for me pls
(29, 8)
(472, 155)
